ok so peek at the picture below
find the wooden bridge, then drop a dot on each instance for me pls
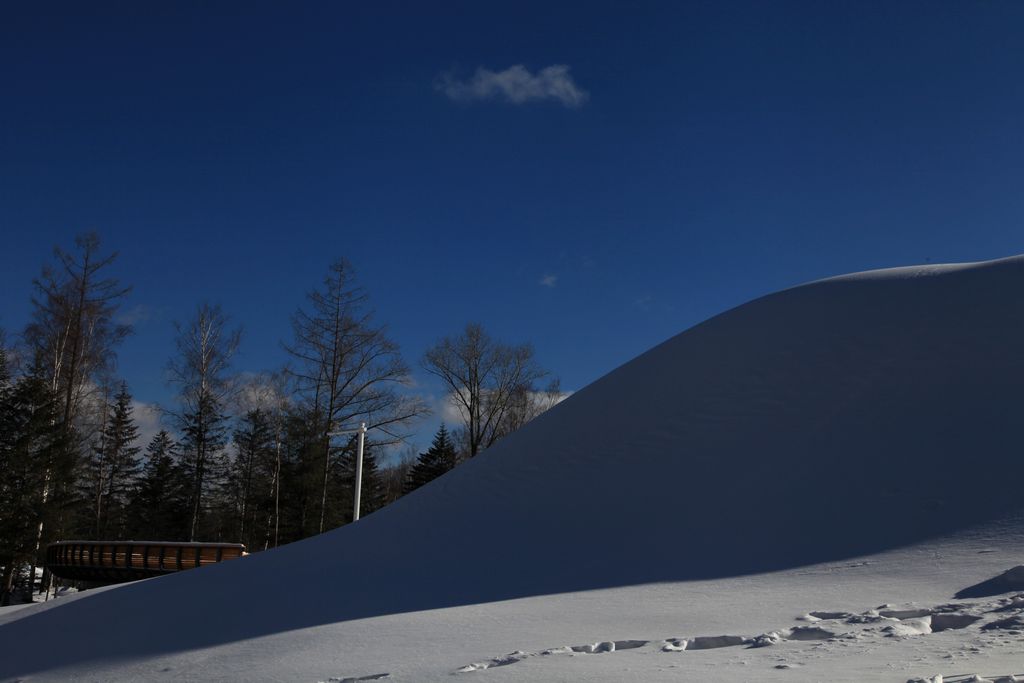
(119, 561)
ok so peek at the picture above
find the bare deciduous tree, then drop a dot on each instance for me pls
(346, 367)
(74, 329)
(487, 381)
(73, 324)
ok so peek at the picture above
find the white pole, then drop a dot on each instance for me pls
(359, 471)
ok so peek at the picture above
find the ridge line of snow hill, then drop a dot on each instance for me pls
(840, 418)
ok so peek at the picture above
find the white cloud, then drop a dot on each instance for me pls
(549, 280)
(260, 390)
(516, 85)
(453, 412)
(447, 409)
(148, 418)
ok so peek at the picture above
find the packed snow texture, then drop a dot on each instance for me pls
(821, 449)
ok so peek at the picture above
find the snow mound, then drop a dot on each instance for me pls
(829, 421)
(1010, 580)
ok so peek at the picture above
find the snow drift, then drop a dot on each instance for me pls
(836, 419)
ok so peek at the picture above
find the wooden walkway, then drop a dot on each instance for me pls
(118, 561)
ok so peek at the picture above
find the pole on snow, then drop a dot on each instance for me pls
(359, 471)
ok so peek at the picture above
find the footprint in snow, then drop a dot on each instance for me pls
(588, 649)
(970, 678)
(799, 633)
(893, 622)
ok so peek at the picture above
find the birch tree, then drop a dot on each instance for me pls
(200, 370)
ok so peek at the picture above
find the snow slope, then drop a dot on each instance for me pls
(827, 448)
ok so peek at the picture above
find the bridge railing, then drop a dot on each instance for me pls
(112, 561)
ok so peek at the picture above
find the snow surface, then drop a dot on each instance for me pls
(793, 490)
(10, 609)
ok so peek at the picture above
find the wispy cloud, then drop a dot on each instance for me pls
(148, 418)
(137, 314)
(644, 303)
(548, 280)
(260, 391)
(453, 413)
(516, 85)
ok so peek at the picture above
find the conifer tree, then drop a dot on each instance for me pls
(33, 449)
(395, 475)
(5, 394)
(300, 474)
(7, 557)
(5, 372)
(269, 394)
(372, 497)
(253, 471)
(205, 434)
(205, 349)
(158, 507)
(116, 463)
(438, 459)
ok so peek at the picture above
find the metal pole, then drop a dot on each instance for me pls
(359, 471)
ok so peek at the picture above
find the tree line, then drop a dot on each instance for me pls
(261, 459)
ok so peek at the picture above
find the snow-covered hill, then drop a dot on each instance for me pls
(828, 448)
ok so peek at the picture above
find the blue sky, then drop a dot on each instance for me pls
(680, 159)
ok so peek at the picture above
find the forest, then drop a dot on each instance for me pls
(261, 458)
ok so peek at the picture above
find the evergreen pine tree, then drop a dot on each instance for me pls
(5, 375)
(5, 406)
(32, 449)
(300, 477)
(90, 480)
(372, 497)
(252, 472)
(205, 432)
(158, 509)
(205, 348)
(438, 459)
(7, 557)
(115, 467)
